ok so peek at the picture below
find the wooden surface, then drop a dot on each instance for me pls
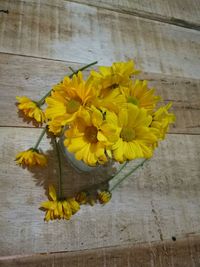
(33, 77)
(161, 201)
(156, 203)
(182, 253)
(73, 32)
(182, 13)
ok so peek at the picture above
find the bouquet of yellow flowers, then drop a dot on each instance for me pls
(110, 116)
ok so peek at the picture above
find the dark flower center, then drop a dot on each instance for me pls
(72, 106)
(91, 134)
(127, 134)
(133, 100)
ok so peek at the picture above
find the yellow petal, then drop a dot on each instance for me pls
(101, 137)
(123, 118)
(67, 210)
(52, 193)
(60, 209)
(118, 150)
(129, 150)
(48, 216)
(74, 205)
(47, 204)
(97, 117)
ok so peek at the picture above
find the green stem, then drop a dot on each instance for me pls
(60, 170)
(84, 67)
(41, 101)
(96, 186)
(72, 70)
(113, 176)
(128, 174)
(122, 167)
(40, 138)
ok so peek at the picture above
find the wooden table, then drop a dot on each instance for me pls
(154, 216)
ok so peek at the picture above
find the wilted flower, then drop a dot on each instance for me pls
(30, 108)
(31, 157)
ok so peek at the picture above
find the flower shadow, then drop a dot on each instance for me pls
(72, 181)
(26, 119)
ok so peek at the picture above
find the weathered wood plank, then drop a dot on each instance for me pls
(180, 253)
(184, 13)
(79, 33)
(34, 77)
(161, 200)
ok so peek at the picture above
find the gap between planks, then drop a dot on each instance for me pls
(32, 127)
(143, 14)
(81, 64)
(33, 77)
(178, 253)
(157, 202)
(89, 33)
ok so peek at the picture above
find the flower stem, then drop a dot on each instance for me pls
(84, 67)
(60, 169)
(41, 101)
(122, 167)
(113, 176)
(99, 185)
(40, 138)
(72, 70)
(128, 174)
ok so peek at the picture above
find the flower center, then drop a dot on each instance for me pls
(127, 134)
(91, 134)
(133, 100)
(72, 106)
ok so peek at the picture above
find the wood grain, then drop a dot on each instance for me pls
(180, 253)
(33, 77)
(79, 33)
(159, 201)
(184, 13)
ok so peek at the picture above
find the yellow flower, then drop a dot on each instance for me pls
(161, 120)
(91, 134)
(112, 101)
(136, 137)
(81, 198)
(56, 209)
(139, 94)
(30, 109)
(104, 197)
(74, 205)
(109, 78)
(31, 158)
(85, 198)
(55, 125)
(67, 100)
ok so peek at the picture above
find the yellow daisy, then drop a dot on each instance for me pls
(109, 78)
(104, 197)
(136, 137)
(67, 100)
(30, 109)
(161, 120)
(74, 205)
(31, 158)
(91, 134)
(56, 209)
(113, 101)
(55, 125)
(81, 198)
(139, 94)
